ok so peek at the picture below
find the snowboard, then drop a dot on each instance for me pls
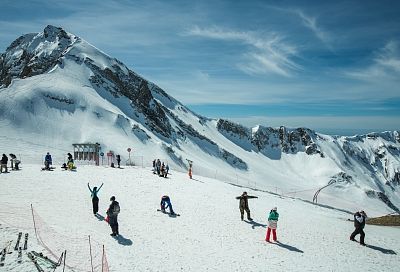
(175, 214)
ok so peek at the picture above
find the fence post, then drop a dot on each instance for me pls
(90, 250)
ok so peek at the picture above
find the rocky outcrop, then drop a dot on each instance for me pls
(34, 54)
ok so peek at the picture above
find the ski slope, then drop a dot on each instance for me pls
(208, 236)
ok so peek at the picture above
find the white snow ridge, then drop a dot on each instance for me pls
(56, 89)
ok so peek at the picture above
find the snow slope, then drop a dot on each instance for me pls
(56, 89)
(208, 236)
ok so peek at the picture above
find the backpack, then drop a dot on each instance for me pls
(116, 209)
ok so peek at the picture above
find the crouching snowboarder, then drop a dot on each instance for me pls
(166, 203)
(244, 205)
(95, 198)
(272, 224)
(48, 161)
(359, 224)
(112, 214)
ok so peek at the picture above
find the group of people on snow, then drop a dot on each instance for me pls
(160, 168)
(14, 163)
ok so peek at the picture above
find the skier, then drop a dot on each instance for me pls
(119, 161)
(166, 200)
(3, 164)
(244, 205)
(166, 171)
(112, 214)
(190, 168)
(359, 224)
(272, 224)
(47, 161)
(95, 199)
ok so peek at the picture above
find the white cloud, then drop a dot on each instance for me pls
(267, 54)
(311, 23)
(385, 65)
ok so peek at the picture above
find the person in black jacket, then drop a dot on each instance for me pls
(118, 161)
(112, 214)
(95, 198)
(359, 224)
(3, 164)
(244, 205)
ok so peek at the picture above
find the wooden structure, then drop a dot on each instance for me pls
(87, 152)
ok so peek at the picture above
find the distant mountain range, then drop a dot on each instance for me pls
(56, 89)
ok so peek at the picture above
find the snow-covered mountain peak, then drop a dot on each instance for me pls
(59, 89)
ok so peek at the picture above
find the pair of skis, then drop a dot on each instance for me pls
(19, 240)
(4, 252)
(35, 256)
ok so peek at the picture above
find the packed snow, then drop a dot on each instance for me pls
(207, 236)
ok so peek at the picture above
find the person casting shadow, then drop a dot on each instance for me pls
(95, 198)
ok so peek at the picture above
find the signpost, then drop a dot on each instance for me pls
(102, 157)
(110, 157)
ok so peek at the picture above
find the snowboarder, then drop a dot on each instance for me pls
(95, 199)
(272, 224)
(166, 203)
(3, 164)
(70, 163)
(112, 214)
(119, 161)
(359, 224)
(47, 161)
(244, 205)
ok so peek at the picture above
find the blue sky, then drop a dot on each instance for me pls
(333, 66)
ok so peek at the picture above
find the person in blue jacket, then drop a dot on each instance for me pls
(48, 161)
(166, 203)
(95, 198)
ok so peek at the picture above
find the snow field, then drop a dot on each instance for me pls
(208, 236)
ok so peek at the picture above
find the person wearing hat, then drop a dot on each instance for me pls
(95, 198)
(359, 224)
(272, 224)
(112, 214)
(244, 205)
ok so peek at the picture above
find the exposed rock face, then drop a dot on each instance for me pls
(383, 197)
(34, 54)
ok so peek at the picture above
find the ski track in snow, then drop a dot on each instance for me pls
(208, 236)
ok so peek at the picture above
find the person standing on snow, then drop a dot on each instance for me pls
(95, 198)
(244, 205)
(166, 203)
(118, 161)
(112, 214)
(272, 224)
(166, 171)
(359, 224)
(47, 161)
(3, 164)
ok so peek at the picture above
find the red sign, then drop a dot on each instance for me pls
(110, 154)
(129, 149)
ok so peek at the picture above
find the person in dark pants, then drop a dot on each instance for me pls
(119, 161)
(359, 224)
(95, 198)
(166, 203)
(48, 161)
(3, 164)
(244, 205)
(112, 214)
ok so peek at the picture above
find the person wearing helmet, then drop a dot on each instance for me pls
(112, 214)
(272, 224)
(244, 205)
(359, 223)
